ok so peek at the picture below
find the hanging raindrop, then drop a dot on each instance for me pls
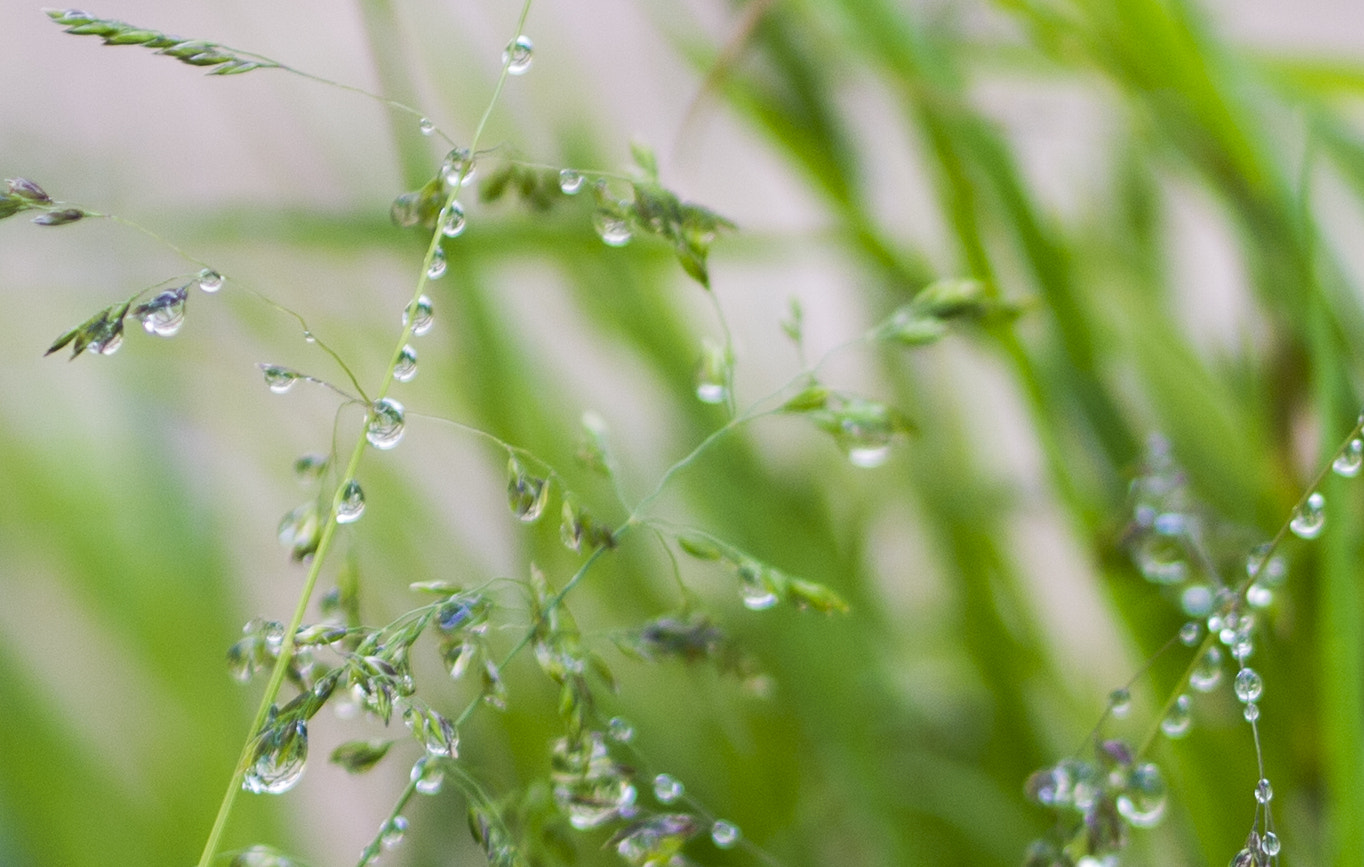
(419, 316)
(452, 221)
(164, 314)
(406, 368)
(1309, 520)
(1270, 843)
(393, 833)
(518, 55)
(724, 835)
(1248, 685)
(281, 755)
(279, 379)
(570, 182)
(457, 170)
(1142, 803)
(426, 125)
(667, 788)
(526, 494)
(436, 269)
(1120, 702)
(1189, 633)
(210, 281)
(428, 775)
(386, 423)
(1264, 792)
(351, 505)
(1349, 462)
(1207, 673)
(1179, 720)
(620, 730)
(613, 230)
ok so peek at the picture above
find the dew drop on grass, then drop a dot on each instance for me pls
(406, 368)
(868, 457)
(426, 125)
(1196, 600)
(109, 345)
(386, 424)
(436, 269)
(620, 730)
(281, 757)
(1248, 685)
(1120, 702)
(1252, 712)
(1270, 843)
(419, 316)
(570, 182)
(1207, 673)
(458, 168)
(279, 379)
(352, 503)
(1179, 720)
(210, 281)
(1259, 596)
(428, 776)
(667, 788)
(452, 220)
(393, 833)
(1142, 803)
(518, 55)
(1264, 792)
(614, 231)
(1309, 520)
(724, 835)
(1189, 633)
(1349, 462)
(164, 314)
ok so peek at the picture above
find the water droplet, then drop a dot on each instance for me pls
(570, 182)
(724, 835)
(1310, 520)
(279, 379)
(1270, 843)
(210, 281)
(164, 314)
(281, 755)
(1196, 600)
(351, 505)
(1170, 523)
(428, 775)
(1248, 685)
(393, 833)
(755, 590)
(452, 220)
(386, 423)
(1252, 712)
(110, 344)
(667, 788)
(436, 269)
(1242, 648)
(526, 494)
(869, 457)
(457, 169)
(1207, 673)
(426, 125)
(613, 230)
(1162, 560)
(712, 373)
(420, 316)
(1259, 596)
(1120, 702)
(1179, 720)
(1189, 634)
(1349, 462)
(1142, 802)
(518, 55)
(1264, 792)
(620, 730)
(406, 368)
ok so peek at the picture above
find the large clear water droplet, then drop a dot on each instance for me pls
(1207, 673)
(667, 788)
(724, 835)
(164, 314)
(210, 281)
(458, 168)
(1142, 802)
(518, 55)
(1248, 685)
(420, 316)
(279, 379)
(1264, 792)
(436, 269)
(452, 220)
(406, 368)
(386, 423)
(428, 775)
(426, 125)
(613, 229)
(1179, 720)
(281, 755)
(1310, 519)
(1270, 843)
(570, 182)
(351, 505)
(1349, 462)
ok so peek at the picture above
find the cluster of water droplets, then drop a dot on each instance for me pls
(1104, 797)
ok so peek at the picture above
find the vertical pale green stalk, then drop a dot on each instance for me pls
(286, 651)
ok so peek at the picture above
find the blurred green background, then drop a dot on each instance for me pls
(1173, 188)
